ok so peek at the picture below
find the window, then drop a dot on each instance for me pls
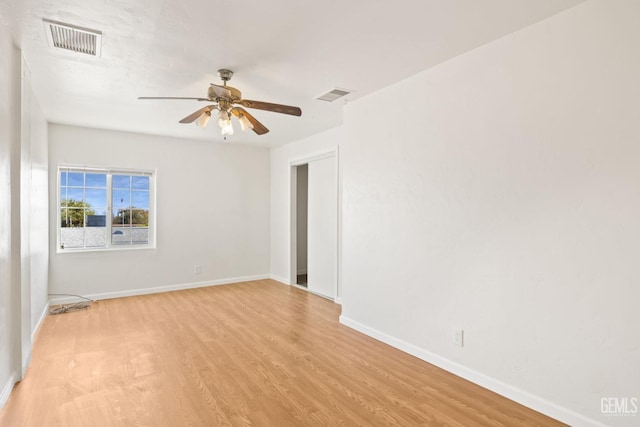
(105, 209)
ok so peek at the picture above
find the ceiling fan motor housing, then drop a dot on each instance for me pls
(236, 95)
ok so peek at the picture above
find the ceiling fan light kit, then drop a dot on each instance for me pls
(228, 100)
(224, 121)
(203, 119)
(244, 123)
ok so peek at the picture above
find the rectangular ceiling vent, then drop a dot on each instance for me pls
(334, 94)
(73, 38)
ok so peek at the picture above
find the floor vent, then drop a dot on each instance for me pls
(73, 38)
(334, 94)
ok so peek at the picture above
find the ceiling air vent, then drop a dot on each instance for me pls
(73, 38)
(334, 94)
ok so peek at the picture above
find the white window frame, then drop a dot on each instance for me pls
(109, 212)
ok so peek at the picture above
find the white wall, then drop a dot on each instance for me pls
(23, 198)
(322, 238)
(281, 158)
(9, 197)
(37, 215)
(34, 216)
(212, 211)
(504, 200)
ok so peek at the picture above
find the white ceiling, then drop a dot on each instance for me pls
(282, 51)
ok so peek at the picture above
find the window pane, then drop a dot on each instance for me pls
(75, 179)
(122, 217)
(121, 199)
(64, 218)
(71, 237)
(76, 195)
(96, 220)
(121, 181)
(140, 199)
(96, 180)
(63, 178)
(120, 235)
(63, 196)
(140, 182)
(96, 198)
(73, 217)
(140, 217)
(95, 236)
(139, 235)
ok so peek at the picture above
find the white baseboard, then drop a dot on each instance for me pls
(158, 289)
(6, 390)
(43, 315)
(338, 300)
(279, 279)
(525, 398)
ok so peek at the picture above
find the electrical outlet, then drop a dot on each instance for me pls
(197, 269)
(458, 337)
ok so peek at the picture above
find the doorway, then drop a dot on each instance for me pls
(314, 224)
(302, 199)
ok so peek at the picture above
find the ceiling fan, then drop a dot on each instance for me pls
(228, 101)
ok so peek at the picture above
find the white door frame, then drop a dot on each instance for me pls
(293, 163)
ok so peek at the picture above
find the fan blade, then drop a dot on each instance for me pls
(258, 127)
(267, 106)
(172, 97)
(220, 91)
(194, 116)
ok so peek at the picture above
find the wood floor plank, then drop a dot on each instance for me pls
(248, 354)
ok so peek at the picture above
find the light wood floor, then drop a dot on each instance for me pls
(255, 353)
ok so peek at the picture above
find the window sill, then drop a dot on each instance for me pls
(109, 249)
